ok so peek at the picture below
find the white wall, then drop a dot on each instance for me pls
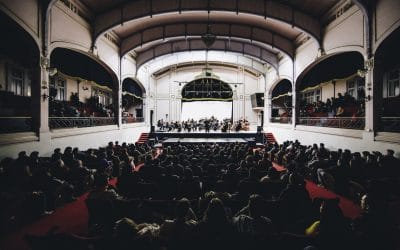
(128, 67)
(25, 13)
(387, 19)
(84, 138)
(286, 68)
(197, 56)
(327, 89)
(168, 92)
(68, 29)
(108, 53)
(305, 55)
(345, 31)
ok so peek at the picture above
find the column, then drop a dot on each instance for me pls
(268, 109)
(267, 103)
(369, 96)
(119, 103)
(294, 106)
(44, 95)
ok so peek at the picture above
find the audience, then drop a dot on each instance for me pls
(241, 198)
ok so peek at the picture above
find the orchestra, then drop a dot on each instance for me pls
(204, 124)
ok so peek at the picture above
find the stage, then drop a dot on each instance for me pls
(171, 141)
(169, 138)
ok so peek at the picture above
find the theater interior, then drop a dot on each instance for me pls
(199, 124)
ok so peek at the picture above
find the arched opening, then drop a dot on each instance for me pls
(19, 79)
(281, 102)
(82, 93)
(331, 93)
(387, 84)
(207, 102)
(132, 101)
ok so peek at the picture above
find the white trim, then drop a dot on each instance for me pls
(59, 133)
(21, 137)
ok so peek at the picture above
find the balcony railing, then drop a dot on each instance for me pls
(80, 122)
(333, 122)
(284, 120)
(132, 119)
(390, 124)
(15, 124)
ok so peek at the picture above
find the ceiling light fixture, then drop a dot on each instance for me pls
(208, 38)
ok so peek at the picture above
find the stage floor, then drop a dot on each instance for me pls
(204, 132)
(203, 140)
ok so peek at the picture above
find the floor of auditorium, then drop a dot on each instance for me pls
(73, 217)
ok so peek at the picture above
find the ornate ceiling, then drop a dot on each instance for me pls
(262, 29)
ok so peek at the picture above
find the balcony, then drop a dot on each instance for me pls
(126, 120)
(283, 120)
(15, 124)
(333, 122)
(390, 124)
(80, 122)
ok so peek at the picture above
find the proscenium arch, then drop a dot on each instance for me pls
(115, 82)
(241, 31)
(310, 67)
(226, 45)
(182, 65)
(272, 9)
(221, 92)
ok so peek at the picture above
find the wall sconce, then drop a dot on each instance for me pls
(85, 88)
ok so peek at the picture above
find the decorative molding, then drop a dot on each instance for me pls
(338, 10)
(369, 64)
(67, 132)
(301, 39)
(44, 62)
(79, 9)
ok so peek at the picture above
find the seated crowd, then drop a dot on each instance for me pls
(75, 108)
(342, 106)
(214, 196)
(44, 183)
(205, 124)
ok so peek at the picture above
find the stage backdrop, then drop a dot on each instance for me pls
(205, 109)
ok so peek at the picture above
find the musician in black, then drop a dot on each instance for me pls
(207, 125)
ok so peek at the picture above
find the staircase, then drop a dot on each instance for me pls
(269, 138)
(144, 137)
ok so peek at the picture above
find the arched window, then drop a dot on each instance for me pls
(207, 87)
(132, 101)
(281, 102)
